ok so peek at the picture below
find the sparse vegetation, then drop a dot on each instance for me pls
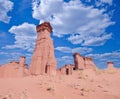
(111, 71)
(99, 71)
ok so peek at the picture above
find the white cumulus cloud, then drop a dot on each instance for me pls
(5, 7)
(90, 40)
(74, 18)
(25, 36)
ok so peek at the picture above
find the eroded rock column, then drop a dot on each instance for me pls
(78, 61)
(110, 65)
(22, 61)
(43, 60)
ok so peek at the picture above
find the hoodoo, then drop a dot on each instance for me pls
(43, 59)
(110, 65)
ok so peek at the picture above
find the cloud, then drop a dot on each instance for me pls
(74, 18)
(46, 7)
(107, 1)
(5, 7)
(13, 55)
(107, 56)
(100, 2)
(103, 58)
(61, 61)
(64, 49)
(90, 40)
(7, 56)
(104, 2)
(96, 41)
(81, 50)
(25, 36)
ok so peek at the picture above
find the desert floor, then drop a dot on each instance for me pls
(87, 84)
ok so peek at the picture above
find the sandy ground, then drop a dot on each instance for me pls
(87, 84)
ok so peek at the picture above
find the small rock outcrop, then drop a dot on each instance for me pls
(79, 61)
(43, 59)
(89, 63)
(66, 70)
(14, 69)
(110, 65)
(83, 62)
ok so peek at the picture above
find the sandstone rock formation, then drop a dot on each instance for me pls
(67, 69)
(89, 64)
(79, 61)
(83, 62)
(22, 61)
(43, 59)
(14, 69)
(110, 65)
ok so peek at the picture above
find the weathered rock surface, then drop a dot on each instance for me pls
(79, 61)
(83, 62)
(14, 69)
(110, 65)
(43, 59)
(89, 63)
(66, 70)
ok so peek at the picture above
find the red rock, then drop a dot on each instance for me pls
(79, 61)
(43, 59)
(89, 64)
(83, 62)
(110, 65)
(14, 69)
(66, 70)
(22, 60)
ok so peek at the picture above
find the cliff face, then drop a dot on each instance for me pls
(43, 60)
(79, 61)
(83, 62)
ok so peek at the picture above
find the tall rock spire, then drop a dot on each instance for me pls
(43, 59)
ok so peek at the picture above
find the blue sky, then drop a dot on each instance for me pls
(90, 27)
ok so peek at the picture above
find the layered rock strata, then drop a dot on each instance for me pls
(79, 61)
(83, 62)
(43, 59)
